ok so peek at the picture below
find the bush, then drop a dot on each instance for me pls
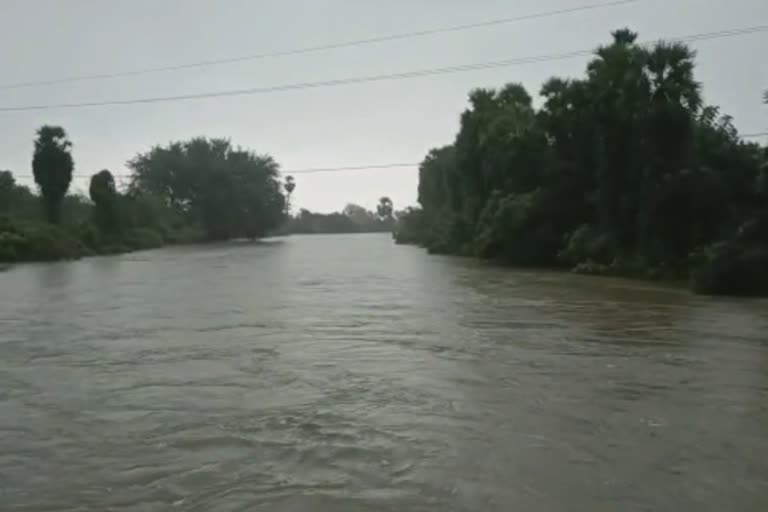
(410, 227)
(89, 236)
(184, 235)
(9, 243)
(445, 235)
(620, 267)
(731, 268)
(590, 267)
(142, 238)
(589, 245)
(37, 242)
(517, 228)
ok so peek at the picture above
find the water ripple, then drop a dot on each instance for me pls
(348, 374)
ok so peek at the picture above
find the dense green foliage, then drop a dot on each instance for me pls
(186, 192)
(622, 171)
(25, 241)
(228, 191)
(353, 219)
(85, 227)
(410, 227)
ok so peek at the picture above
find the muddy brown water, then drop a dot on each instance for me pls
(345, 373)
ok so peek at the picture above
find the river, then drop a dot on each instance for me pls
(345, 373)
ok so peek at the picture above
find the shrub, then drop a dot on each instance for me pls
(410, 227)
(587, 244)
(89, 236)
(518, 229)
(184, 235)
(731, 268)
(37, 242)
(9, 243)
(142, 238)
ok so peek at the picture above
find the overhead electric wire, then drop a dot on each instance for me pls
(370, 78)
(314, 170)
(320, 48)
(301, 85)
(311, 170)
(368, 167)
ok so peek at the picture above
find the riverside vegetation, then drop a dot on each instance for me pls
(194, 191)
(623, 171)
(198, 190)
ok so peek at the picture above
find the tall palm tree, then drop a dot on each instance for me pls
(670, 69)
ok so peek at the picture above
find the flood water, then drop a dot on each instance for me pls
(344, 373)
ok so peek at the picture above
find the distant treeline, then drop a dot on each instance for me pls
(353, 219)
(624, 171)
(198, 190)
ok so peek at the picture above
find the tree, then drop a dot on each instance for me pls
(352, 219)
(384, 209)
(410, 226)
(105, 200)
(359, 215)
(623, 170)
(52, 166)
(289, 186)
(230, 192)
(7, 188)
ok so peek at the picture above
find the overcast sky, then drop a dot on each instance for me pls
(384, 122)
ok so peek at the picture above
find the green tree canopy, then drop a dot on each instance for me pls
(230, 191)
(623, 169)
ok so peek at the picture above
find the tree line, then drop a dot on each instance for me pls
(624, 170)
(196, 190)
(352, 219)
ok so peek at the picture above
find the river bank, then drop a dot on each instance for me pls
(730, 268)
(35, 242)
(29, 241)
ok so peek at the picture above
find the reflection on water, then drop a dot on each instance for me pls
(345, 373)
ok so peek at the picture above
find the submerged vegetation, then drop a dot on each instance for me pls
(623, 171)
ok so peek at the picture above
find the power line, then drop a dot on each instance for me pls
(368, 167)
(309, 170)
(320, 48)
(306, 170)
(301, 85)
(351, 168)
(371, 78)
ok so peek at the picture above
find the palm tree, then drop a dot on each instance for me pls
(384, 209)
(52, 166)
(670, 72)
(289, 186)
